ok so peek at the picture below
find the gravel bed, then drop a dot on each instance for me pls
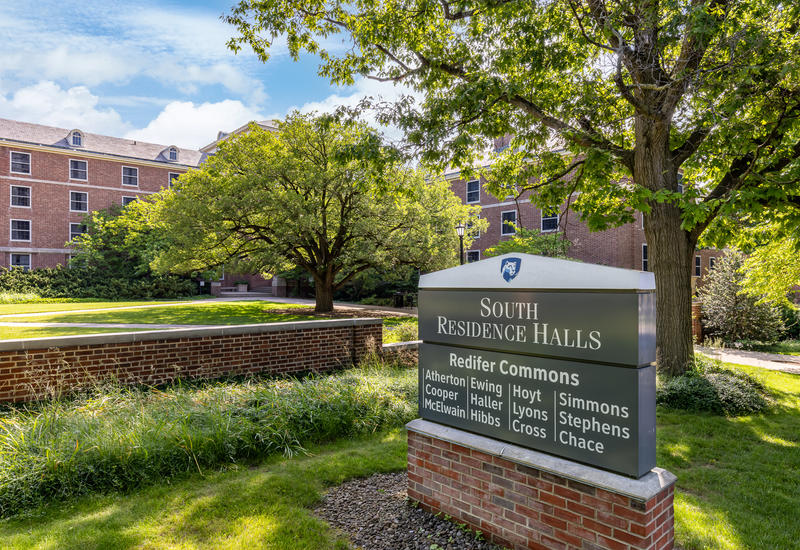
(374, 514)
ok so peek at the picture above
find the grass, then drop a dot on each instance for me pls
(787, 347)
(738, 488)
(399, 329)
(39, 307)
(267, 506)
(212, 313)
(117, 439)
(738, 478)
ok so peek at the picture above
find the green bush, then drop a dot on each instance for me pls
(709, 387)
(87, 282)
(405, 332)
(118, 439)
(730, 315)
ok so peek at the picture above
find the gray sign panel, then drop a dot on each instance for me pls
(608, 327)
(597, 414)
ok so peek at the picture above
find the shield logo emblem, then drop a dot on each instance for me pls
(510, 268)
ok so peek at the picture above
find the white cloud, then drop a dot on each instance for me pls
(364, 87)
(190, 125)
(47, 103)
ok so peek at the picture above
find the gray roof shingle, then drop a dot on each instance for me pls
(39, 134)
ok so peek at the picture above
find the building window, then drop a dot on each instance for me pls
(172, 177)
(20, 230)
(78, 170)
(472, 231)
(78, 201)
(130, 176)
(76, 229)
(506, 221)
(173, 153)
(680, 183)
(20, 163)
(127, 200)
(77, 139)
(711, 262)
(697, 266)
(473, 256)
(473, 191)
(20, 196)
(21, 261)
(645, 261)
(549, 220)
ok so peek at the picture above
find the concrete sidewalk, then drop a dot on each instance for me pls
(772, 361)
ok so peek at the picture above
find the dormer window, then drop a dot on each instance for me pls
(76, 138)
(172, 153)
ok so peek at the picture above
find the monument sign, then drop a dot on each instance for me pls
(552, 355)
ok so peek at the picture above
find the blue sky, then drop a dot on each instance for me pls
(155, 71)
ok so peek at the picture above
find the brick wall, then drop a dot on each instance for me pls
(697, 325)
(522, 507)
(50, 186)
(47, 367)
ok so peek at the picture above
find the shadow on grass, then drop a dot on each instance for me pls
(262, 506)
(738, 478)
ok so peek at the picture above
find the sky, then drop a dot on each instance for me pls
(152, 71)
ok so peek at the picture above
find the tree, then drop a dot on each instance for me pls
(609, 101)
(731, 314)
(321, 194)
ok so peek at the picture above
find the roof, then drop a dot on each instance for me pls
(38, 134)
(531, 272)
(269, 125)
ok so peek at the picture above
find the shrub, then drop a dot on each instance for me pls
(709, 387)
(405, 332)
(117, 439)
(729, 314)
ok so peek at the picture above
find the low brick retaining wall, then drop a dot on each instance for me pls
(523, 499)
(46, 367)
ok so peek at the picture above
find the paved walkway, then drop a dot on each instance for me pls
(772, 361)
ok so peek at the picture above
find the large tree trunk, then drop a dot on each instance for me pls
(669, 248)
(670, 256)
(323, 293)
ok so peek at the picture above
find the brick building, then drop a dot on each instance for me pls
(623, 246)
(50, 178)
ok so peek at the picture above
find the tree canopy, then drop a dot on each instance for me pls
(322, 193)
(608, 103)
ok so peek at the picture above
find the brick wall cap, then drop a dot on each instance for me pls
(413, 345)
(176, 334)
(644, 488)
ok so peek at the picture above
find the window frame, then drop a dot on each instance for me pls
(468, 252)
(86, 163)
(11, 196)
(122, 172)
(466, 197)
(11, 163)
(503, 232)
(170, 178)
(79, 135)
(127, 197)
(79, 224)
(645, 257)
(11, 230)
(711, 261)
(11, 264)
(87, 201)
(170, 152)
(542, 218)
(698, 266)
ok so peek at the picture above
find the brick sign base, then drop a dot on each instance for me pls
(523, 499)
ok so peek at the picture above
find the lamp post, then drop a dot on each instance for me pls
(460, 228)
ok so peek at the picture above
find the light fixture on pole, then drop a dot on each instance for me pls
(460, 228)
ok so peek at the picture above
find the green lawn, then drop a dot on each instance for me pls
(738, 478)
(787, 347)
(266, 506)
(212, 313)
(11, 309)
